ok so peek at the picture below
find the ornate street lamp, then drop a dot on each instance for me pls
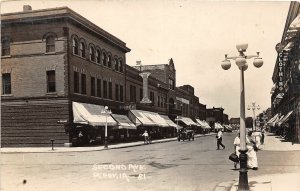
(253, 107)
(241, 62)
(106, 112)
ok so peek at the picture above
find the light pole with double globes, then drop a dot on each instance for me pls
(253, 107)
(241, 62)
(106, 112)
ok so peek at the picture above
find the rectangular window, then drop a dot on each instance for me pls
(76, 82)
(51, 81)
(83, 83)
(93, 86)
(132, 93)
(6, 83)
(98, 88)
(152, 97)
(165, 102)
(5, 50)
(158, 101)
(109, 90)
(104, 89)
(141, 94)
(117, 92)
(121, 93)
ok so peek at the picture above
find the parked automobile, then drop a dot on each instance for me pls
(186, 135)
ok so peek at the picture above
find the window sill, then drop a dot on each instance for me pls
(51, 93)
(8, 56)
(7, 95)
(50, 53)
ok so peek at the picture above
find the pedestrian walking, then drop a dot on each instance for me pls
(262, 136)
(146, 137)
(219, 140)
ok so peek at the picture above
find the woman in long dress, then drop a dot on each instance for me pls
(252, 157)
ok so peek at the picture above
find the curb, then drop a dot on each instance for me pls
(101, 148)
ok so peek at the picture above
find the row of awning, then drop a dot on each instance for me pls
(279, 119)
(96, 115)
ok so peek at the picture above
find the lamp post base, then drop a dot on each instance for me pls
(243, 178)
(105, 143)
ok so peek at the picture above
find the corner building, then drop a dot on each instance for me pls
(51, 58)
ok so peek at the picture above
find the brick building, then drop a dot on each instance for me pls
(58, 72)
(51, 58)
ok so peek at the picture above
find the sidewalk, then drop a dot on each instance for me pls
(88, 148)
(272, 182)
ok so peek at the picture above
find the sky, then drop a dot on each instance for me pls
(197, 35)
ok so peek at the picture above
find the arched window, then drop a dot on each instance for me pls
(116, 64)
(120, 66)
(92, 53)
(104, 59)
(5, 44)
(98, 56)
(75, 46)
(82, 49)
(109, 61)
(50, 44)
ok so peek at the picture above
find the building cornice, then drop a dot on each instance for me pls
(61, 13)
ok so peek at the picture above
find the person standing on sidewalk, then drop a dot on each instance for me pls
(236, 144)
(251, 153)
(146, 137)
(219, 140)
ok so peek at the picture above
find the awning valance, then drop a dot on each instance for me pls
(91, 114)
(187, 121)
(295, 25)
(123, 122)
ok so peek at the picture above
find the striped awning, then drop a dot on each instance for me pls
(187, 121)
(91, 114)
(123, 122)
(285, 118)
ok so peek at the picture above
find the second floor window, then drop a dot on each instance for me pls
(121, 66)
(121, 93)
(104, 89)
(109, 90)
(83, 83)
(98, 88)
(76, 82)
(51, 85)
(93, 86)
(6, 83)
(50, 44)
(5, 44)
(75, 46)
(116, 65)
(152, 97)
(117, 92)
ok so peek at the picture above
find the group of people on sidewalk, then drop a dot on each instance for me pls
(253, 142)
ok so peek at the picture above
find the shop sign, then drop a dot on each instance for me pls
(281, 62)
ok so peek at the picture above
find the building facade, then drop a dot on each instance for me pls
(58, 67)
(285, 98)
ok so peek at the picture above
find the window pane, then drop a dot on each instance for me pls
(51, 86)
(75, 46)
(121, 93)
(98, 87)
(6, 83)
(5, 47)
(98, 56)
(76, 82)
(104, 89)
(82, 49)
(92, 86)
(110, 90)
(50, 44)
(117, 92)
(83, 83)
